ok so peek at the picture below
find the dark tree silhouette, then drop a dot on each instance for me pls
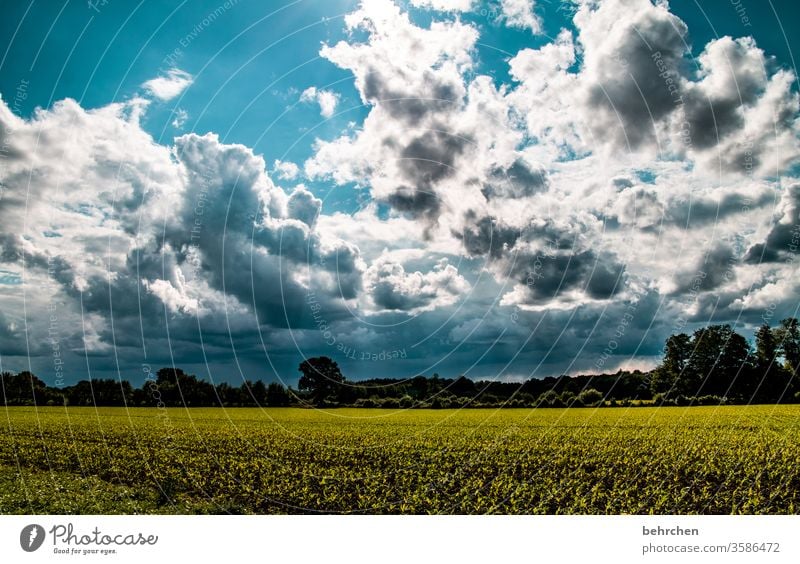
(23, 389)
(788, 336)
(100, 392)
(670, 379)
(719, 361)
(321, 379)
(771, 375)
(277, 396)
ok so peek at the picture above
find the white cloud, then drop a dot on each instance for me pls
(446, 149)
(445, 5)
(326, 99)
(181, 116)
(122, 222)
(167, 87)
(175, 299)
(520, 13)
(285, 170)
(392, 288)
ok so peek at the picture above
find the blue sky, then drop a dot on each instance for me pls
(571, 158)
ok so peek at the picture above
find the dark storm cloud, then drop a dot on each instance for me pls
(14, 341)
(545, 259)
(716, 268)
(547, 275)
(249, 257)
(438, 94)
(715, 113)
(520, 180)
(416, 202)
(552, 262)
(233, 246)
(304, 206)
(14, 250)
(782, 244)
(486, 236)
(640, 76)
(699, 212)
(641, 205)
(424, 162)
(711, 120)
(431, 157)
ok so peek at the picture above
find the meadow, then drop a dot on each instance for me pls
(659, 460)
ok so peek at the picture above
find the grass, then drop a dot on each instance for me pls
(731, 459)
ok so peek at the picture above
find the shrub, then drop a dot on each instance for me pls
(549, 399)
(590, 398)
(390, 403)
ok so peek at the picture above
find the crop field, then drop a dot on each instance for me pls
(612, 460)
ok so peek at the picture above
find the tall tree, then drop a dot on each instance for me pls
(769, 372)
(670, 377)
(321, 379)
(719, 361)
(788, 335)
(277, 396)
(766, 346)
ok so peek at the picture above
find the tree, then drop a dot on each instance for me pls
(788, 335)
(100, 392)
(177, 388)
(719, 363)
(462, 386)
(590, 398)
(550, 398)
(670, 379)
(277, 396)
(766, 346)
(23, 389)
(259, 391)
(321, 379)
(768, 370)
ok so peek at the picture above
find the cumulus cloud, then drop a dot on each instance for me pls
(285, 170)
(520, 13)
(456, 153)
(445, 5)
(715, 269)
(174, 298)
(125, 225)
(782, 243)
(170, 85)
(326, 99)
(393, 289)
(637, 89)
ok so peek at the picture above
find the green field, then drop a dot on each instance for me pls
(613, 460)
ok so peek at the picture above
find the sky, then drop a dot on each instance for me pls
(505, 190)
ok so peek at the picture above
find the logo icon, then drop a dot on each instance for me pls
(31, 538)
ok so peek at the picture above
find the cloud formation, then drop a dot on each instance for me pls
(170, 85)
(326, 99)
(391, 288)
(611, 171)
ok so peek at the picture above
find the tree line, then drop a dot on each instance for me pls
(717, 361)
(714, 365)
